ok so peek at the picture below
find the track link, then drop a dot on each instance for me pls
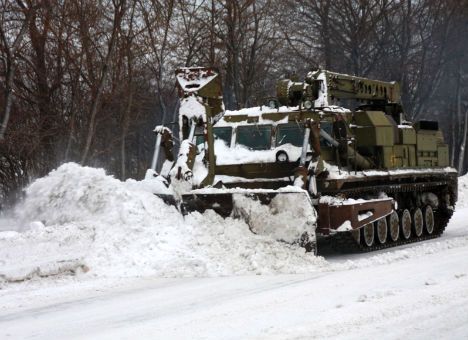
(345, 242)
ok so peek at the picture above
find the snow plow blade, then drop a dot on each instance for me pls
(283, 215)
(169, 199)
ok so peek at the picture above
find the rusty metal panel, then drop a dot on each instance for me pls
(334, 216)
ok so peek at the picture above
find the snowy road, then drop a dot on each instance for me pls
(418, 291)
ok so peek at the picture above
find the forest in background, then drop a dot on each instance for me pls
(87, 81)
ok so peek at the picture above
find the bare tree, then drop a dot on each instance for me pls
(249, 44)
(87, 81)
(157, 17)
(462, 112)
(126, 116)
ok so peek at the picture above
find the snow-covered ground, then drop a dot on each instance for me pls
(87, 256)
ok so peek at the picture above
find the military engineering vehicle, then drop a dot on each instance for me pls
(303, 167)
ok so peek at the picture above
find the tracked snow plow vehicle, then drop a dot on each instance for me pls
(304, 167)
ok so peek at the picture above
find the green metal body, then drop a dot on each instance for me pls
(373, 136)
(359, 152)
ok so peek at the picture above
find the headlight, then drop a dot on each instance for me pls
(272, 104)
(282, 157)
(307, 104)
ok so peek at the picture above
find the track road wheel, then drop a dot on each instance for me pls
(428, 215)
(393, 222)
(405, 224)
(381, 230)
(418, 222)
(368, 234)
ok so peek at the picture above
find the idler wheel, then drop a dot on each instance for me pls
(393, 222)
(428, 219)
(405, 224)
(418, 222)
(368, 234)
(356, 233)
(381, 229)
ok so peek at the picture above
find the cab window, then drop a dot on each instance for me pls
(292, 133)
(200, 139)
(199, 135)
(223, 133)
(255, 137)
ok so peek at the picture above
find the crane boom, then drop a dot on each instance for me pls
(337, 86)
(326, 88)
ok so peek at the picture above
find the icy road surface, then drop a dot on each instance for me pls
(416, 291)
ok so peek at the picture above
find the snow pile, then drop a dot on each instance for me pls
(191, 107)
(258, 111)
(95, 223)
(284, 223)
(43, 250)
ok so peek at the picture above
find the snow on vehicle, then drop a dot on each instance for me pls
(304, 167)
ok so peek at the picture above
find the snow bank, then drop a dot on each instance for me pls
(94, 223)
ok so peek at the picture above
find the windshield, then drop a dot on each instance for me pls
(223, 133)
(328, 128)
(291, 133)
(255, 137)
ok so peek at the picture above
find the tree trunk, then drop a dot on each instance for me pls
(8, 98)
(118, 14)
(461, 156)
(11, 68)
(125, 126)
(453, 141)
(326, 36)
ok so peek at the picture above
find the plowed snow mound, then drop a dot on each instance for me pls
(95, 222)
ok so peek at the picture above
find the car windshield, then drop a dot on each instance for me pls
(223, 133)
(291, 133)
(255, 137)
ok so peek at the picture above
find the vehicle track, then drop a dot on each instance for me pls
(344, 242)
